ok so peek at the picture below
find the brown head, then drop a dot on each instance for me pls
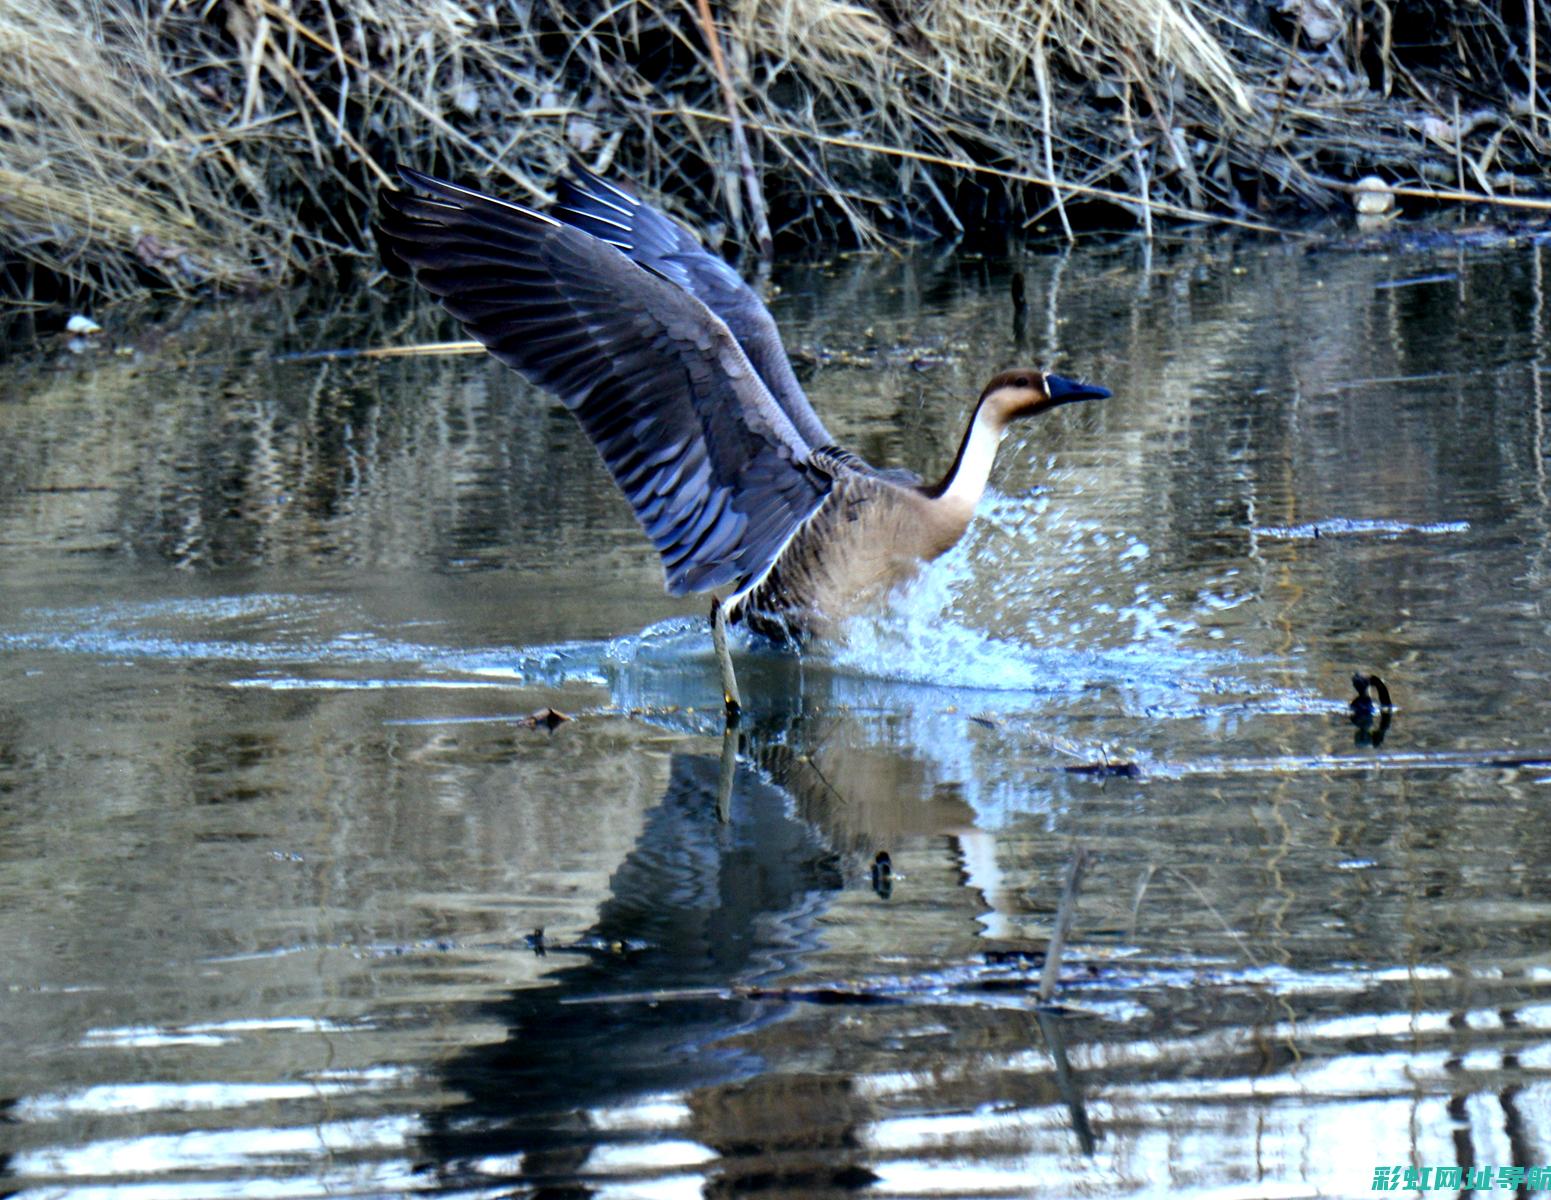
(1010, 396)
(1027, 392)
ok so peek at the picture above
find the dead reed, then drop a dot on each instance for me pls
(233, 144)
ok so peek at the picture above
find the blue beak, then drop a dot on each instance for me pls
(1068, 391)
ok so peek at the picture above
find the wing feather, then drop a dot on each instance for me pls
(659, 243)
(718, 473)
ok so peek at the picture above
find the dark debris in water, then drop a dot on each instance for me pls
(548, 718)
(1371, 714)
(1015, 956)
(1106, 770)
(883, 875)
(1363, 702)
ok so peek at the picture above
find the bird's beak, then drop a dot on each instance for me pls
(1062, 390)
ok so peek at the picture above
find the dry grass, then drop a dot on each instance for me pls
(231, 145)
(237, 143)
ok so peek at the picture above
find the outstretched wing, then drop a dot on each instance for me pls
(661, 244)
(717, 473)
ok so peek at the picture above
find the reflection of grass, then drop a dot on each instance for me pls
(238, 144)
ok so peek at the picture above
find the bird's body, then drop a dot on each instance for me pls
(676, 371)
(872, 533)
(868, 537)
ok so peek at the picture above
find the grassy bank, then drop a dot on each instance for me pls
(237, 144)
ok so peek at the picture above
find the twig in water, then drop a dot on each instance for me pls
(1055, 1039)
(1136, 903)
(1064, 912)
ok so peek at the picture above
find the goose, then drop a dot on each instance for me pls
(676, 371)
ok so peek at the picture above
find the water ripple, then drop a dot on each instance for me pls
(1356, 527)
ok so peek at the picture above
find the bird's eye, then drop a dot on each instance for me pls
(1022, 381)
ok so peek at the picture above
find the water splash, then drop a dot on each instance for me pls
(916, 638)
(921, 638)
(274, 630)
(927, 650)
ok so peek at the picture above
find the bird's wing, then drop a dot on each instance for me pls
(718, 476)
(661, 244)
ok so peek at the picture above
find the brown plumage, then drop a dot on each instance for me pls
(874, 530)
(676, 371)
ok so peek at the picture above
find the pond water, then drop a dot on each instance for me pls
(276, 838)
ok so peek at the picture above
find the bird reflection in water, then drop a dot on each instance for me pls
(682, 996)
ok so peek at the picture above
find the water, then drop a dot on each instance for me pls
(278, 828)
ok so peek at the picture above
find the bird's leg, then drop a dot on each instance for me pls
(730, 696)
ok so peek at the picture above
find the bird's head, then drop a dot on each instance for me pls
(1026, 392)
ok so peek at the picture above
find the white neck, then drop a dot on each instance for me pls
(968, 482)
